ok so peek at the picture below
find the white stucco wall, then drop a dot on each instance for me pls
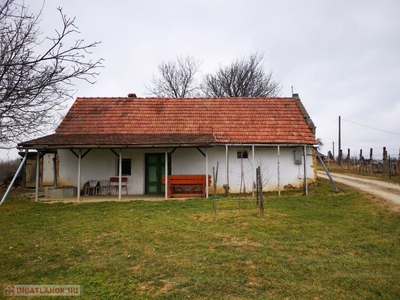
(102, 164)
(267, 159)
(48, 169)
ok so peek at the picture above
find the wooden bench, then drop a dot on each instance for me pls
(114, 184)
(187, 185)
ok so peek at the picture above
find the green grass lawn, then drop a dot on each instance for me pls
(324, 246)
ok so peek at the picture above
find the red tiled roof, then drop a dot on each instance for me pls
(155, 120)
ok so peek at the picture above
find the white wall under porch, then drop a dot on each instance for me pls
(101, 164)
(240, 170)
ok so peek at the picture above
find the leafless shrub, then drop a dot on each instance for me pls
(177, 78)
(245, 77)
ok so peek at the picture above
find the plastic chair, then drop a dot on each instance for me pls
(103, 187)
(92, 186)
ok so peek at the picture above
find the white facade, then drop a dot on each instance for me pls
(276, 169)
(48, 169)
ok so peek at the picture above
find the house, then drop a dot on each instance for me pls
(147, 138)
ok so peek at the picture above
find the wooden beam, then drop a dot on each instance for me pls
(113, 151)
(74, 153)
(201, 151)
(86, 152)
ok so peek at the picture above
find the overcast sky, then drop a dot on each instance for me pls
(341, 57)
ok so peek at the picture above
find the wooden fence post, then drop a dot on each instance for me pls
(360, 162)
(258, 185)
(384, 162)
(371, 162)
(215, 179)
(348, 158)
(260, 191)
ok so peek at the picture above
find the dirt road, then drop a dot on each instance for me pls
(384, 190)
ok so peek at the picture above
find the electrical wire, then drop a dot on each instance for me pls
(391, 132)
(334, 120)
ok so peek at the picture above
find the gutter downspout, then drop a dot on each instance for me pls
(15, 176)
(37, 176)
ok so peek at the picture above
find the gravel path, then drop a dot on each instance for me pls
(387, 191)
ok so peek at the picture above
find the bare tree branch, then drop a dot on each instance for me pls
(33, 85)
(243, 78)
(177, 78)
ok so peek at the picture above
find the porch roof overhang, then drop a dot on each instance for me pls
(93, 141)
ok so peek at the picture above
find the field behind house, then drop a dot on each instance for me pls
(355, 171)
(325, 246)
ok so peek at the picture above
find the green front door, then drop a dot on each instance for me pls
(155, 169)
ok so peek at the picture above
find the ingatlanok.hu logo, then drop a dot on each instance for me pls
(41, 290)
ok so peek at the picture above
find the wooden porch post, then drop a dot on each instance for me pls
(120, 174)
(206, 172)
(78, 191)
(252, 170)
(166, 173)
(227, 164)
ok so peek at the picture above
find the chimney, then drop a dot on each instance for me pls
(132, 95)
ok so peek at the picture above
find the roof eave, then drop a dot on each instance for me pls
(183, 145)
(115, 146)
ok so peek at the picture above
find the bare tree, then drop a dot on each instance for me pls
(245, 77)
(177, 78)
(36, 73)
